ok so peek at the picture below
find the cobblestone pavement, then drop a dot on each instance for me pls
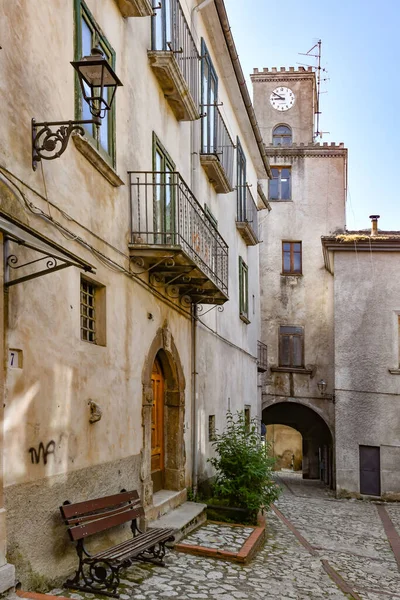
(348, 534)
(221, 537)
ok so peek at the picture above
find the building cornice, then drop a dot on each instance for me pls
(301, 150)
(357, 242)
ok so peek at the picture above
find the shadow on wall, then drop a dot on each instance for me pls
(286, 447)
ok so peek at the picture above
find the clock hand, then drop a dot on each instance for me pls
(278, 96)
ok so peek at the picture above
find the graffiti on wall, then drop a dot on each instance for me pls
(42, 452)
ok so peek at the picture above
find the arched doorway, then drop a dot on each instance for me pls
(317, 437)
(157, 427)
(163, 417)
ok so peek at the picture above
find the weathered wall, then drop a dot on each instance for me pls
(286, 447)
(46, 401)
(366, 347)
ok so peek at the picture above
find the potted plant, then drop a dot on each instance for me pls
(243, 482)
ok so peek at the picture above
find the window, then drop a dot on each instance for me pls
(211, 428)
(291, 258)
(209, 95)
(247, 419)
(279, 185)
(89, 35)
(241, 183)
(164, 194)
(282, 136)
(291, 346)
(210, 215)
(243, 291)
(92, 312)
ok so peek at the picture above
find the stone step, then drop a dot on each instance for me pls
(184, 519)
(163, 502)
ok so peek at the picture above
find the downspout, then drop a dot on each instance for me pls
(223, 18)
(195, 432)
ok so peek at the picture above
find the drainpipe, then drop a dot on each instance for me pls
(195, 432)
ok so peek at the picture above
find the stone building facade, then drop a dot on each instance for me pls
(118, 368)
(307, 193)
(364, 267)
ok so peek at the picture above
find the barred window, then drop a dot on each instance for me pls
(211, 428)
(92, 309)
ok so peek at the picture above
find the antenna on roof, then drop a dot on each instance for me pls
(316, 52)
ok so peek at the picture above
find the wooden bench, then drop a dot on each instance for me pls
(99, 573)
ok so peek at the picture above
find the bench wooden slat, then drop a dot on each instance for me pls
(105, 513)
(81, 531)
(82, 508)
(135, 546)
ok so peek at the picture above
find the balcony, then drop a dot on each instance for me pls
(174, 241)
(135, 8)
(217, 150)
(247, 216)
(175, 60)
(262, 357)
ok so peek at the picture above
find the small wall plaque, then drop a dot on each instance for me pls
(14, 358)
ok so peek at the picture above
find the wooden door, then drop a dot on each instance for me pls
(370, 470)
(157, 427)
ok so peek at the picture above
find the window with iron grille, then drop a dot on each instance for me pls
(92, 311)
(247, 418)
(211, 428)
(280, 184)
(88, 314)
(243, 291)
(291, 346)
(291, 258)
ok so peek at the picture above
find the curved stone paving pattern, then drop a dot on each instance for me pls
(348, 534)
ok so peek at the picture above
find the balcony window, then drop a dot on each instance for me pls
(175, 59)
(164, 194)
(209, 95)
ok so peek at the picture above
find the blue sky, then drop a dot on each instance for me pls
(360, 50)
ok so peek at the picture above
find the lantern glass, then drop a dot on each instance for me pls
(95, 74)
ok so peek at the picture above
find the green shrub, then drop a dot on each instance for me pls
(243, 467)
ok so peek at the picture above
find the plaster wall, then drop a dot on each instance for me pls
(366, 347)
(46, 400)
(316, 208)
(286, 446)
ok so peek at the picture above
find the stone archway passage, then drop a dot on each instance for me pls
(317, 437)
(164, 353)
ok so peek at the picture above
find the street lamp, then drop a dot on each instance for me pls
(98, 84)
(321, 387)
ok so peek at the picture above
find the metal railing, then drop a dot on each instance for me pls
(215, 139)
(164, 212)
(171, 32)
(247, 211)
(262, 356)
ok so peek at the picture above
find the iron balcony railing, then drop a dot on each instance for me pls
(247, 211)
(215, 139)
(262, 357)
(171, 32)
(164, 212)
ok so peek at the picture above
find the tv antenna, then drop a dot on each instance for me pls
(316, 52)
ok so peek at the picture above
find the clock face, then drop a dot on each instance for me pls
(282, 98)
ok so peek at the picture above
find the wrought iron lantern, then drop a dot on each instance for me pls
(322, 387)
(98, 85)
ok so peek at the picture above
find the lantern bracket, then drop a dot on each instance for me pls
(50, 139)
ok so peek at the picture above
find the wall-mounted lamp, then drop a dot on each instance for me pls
(96, 78)
(321, 387)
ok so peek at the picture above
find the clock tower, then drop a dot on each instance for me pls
(307, 194)
(286, 96)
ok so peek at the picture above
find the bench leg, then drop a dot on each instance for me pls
(95, 576)
(155, 554)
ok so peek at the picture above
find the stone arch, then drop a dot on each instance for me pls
(318, 439)
(163, 347)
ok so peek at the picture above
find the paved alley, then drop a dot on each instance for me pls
(317, 547)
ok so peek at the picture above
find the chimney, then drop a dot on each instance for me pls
(374, 224)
